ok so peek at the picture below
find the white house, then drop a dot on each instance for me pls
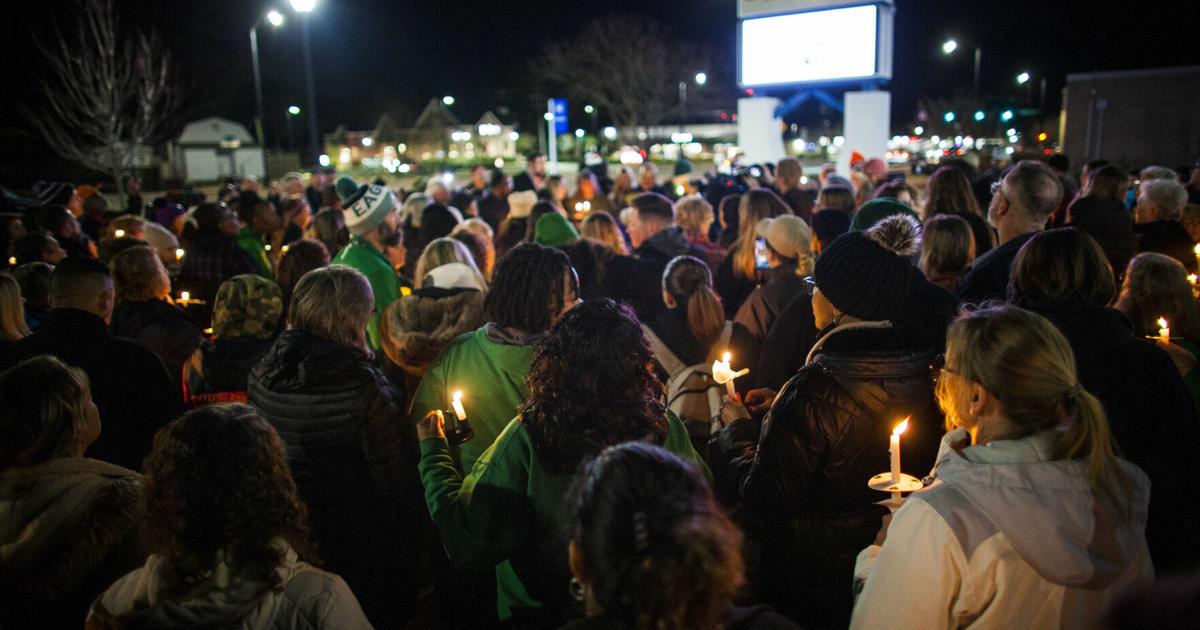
(211, 149)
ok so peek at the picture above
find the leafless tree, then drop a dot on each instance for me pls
(107, 94)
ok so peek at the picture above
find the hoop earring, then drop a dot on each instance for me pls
(576, 589)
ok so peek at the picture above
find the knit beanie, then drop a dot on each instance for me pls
(247, 306)
(683, 166)
(166, 213)
(788, 235)
(54, 193)
(877, 210)
(520, 204)
(437, 221)
(454, 275)
(365, 207)
(554, 230)
(830, 224)
(842, 182)
(865, 278)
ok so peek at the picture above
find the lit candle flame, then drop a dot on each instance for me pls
(12, 261)
(901, 428)
(1162, 322)
(1193, 278)
(184, 296)
(726, 357)
(179, 254)
(1196, 249)
(457, 397)
(119, 233)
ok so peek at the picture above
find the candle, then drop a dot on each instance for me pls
(1192, 278)
(267, 247)
(456, 402)
(894, 449)
(119, 234)
(723, 374)
(1164, 331)
(284, 249)
(179, 254)
(12, 261)
(184, 296)
(1196, 251)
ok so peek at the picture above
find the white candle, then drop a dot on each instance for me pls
(894, 449)
(456, 402)
(119, 234)
(1196, 251)
(1164, 331)
(184, 296)
(723, 374)
(179, 254)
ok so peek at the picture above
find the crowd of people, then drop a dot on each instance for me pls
(336, 404)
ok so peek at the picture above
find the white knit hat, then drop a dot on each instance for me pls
(454, 275)
(520, 204)
(369, 210)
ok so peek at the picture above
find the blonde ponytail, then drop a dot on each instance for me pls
(1088, 438)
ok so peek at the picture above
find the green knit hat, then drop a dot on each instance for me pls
(877, 210)
(554, 230)
(247, 306)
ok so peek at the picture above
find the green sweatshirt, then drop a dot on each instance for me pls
(510, 511)
(491, 376)
(363, 256)
(255, 246)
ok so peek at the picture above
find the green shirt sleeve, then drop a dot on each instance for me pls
(481, 518)
(680, 444)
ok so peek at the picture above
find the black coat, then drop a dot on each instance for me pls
(637, 279)
(1169, 238)
(1151, 416)
(220, 368)
(759, 312)
(988, 278)
(129, 384)
(163, 328)
(732, 288)
(1107, 221)
(354, 456)
(802, 479)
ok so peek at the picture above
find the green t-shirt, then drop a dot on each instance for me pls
(363, 256)
(510, 511)
(255, 246)
(491, 376)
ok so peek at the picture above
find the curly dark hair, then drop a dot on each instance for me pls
(527, 288)
(592, 385)
(658, 551)
(218, 479)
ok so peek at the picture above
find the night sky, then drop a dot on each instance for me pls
(373, 56)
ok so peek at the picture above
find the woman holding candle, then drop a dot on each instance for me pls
(1032, 521)
(591, 386)
(802, 475)
(1156, 287)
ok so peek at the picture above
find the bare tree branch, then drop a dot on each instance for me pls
(107, 95)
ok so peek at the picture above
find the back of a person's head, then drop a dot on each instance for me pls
(33, 247)
(688, 281)
(208, 218)
(694, 215)
(653, 207)
(1167, 196)
(790, 171)
(42, 412)
(833, 198)
(138, 275)
(1156, 286)
(34, 279)
(78, 280)
(1158, 172)
(950, 193)
(12, 309)
(591, 385)
(247, 306)
(299, 258)
(527, 288)
(1064, 265)
(601, 226)
(217, 481)
(444, 251)
(755, 205)
(1107, 182)
(946, 244)
(333, 303)
(539, 210)
(1028, 367)
(656, 550)
(53, 218)
(1034, 188)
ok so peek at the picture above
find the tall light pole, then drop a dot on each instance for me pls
(948, 48)
(275, 19)
(700, 79)
(305, 7)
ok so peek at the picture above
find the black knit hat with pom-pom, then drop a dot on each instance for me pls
(863, 276)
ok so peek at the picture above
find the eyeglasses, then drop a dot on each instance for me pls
(996, 186)
(810, 286)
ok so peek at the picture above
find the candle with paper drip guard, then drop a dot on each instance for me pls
(723, 374)
(461, 430)
(1164, 331)
(1196, 251)
(185, 299)
(895, 481)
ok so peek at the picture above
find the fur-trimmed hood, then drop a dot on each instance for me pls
(62, 522)
(417, 327)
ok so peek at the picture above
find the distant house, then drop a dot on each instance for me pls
(214, 148)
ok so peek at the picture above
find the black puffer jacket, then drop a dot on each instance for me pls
(803, 482)
(354, 456)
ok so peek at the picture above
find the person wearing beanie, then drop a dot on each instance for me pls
(877, 210)
(59, 194)
(512, 231)
(376, 247)
(554, 230)
(245, 318)
(827, 225)
(802, 479)
(788, 241)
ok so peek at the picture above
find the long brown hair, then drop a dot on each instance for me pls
(1156, 286)
(41, 411)
(754, 206)
(1062, 265)
(946, 243)
(688, 280)
(1027, 364)
(950, 193)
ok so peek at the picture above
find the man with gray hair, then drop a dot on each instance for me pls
(1158, 172)
(1022, 202)
(1159, 209)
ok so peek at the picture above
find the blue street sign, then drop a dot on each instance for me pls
(560, 116)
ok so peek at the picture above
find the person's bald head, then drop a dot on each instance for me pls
(82, 283)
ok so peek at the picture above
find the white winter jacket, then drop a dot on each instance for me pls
(1005, 538)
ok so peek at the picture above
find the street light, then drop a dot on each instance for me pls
(1006, 115)
(579, 133)
(303, 6)
(979, 115)
(294, 110)
(949, 46)
(701, 78)
(1023, 78)
(588, 109)
(949, 117)
(275, 19)
(918, 130)
(447, 100)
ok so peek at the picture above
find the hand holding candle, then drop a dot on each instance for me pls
(723, 374)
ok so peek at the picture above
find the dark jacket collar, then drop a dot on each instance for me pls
(77, 321)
